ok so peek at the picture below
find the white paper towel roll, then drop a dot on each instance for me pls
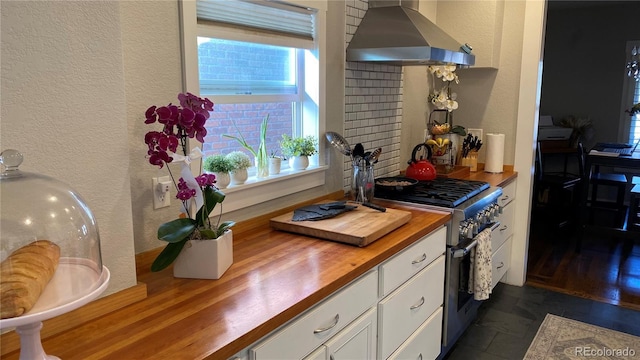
(495, 153)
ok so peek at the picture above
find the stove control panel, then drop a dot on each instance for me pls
(471, 226)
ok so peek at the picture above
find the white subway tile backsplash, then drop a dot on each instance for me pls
(373, 104)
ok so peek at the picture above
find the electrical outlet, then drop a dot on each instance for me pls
(161, 193)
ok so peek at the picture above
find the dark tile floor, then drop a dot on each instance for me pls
(509, 320)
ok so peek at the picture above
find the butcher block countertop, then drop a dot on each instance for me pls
(275, 276)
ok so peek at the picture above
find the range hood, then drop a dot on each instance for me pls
(394, 32)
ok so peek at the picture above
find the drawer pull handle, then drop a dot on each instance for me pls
(505, 198)
(504, 228)
(423, 258)
(418, 305)
(420, 356)
(335, 322)
(501, 265)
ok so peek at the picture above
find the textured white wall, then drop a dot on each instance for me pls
(63, 106)
(153, 72)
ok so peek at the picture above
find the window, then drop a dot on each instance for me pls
(631, 128)
(252, 59)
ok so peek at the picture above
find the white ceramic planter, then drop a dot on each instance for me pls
(275, 164)
(205, 259)
(222, 180)
(238, 177)
(298, 162)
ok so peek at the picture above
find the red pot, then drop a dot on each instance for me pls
(421, 169)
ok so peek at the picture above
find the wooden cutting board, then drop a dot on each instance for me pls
(359, 227)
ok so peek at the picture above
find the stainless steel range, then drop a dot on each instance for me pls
(474, 206)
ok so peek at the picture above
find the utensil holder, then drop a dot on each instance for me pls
(362, 183)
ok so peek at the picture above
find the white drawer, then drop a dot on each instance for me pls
(303, 335)
(500, 234)
(405, 309)
(501, 261)
(508, 194)
(407, 263)
(424, 343)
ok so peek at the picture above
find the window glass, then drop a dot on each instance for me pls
(229, 67)
(247, 118)
(230, 71)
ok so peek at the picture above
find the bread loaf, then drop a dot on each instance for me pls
(24, 275)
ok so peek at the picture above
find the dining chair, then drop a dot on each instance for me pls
(618, 182)
(557, 191)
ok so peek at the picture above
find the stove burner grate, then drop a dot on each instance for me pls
(445, 192)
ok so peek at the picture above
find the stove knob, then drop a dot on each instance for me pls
(474, 229)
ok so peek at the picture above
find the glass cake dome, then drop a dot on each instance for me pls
(49, 246)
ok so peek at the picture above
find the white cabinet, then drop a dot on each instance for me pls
(412, 291)
(403, 311)
(312, 329)
(319, 354)
(502, 236)
(478, 23)
(500, 261)
(394, 310)
(424, 343)
(411, 260)
(356, 341)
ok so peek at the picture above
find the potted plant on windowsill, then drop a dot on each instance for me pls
(260, 156)
(275, 163)
(239, 162)
(200, 247)
(298, 150)
(220, 167)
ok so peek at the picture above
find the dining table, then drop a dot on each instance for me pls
(594, 160)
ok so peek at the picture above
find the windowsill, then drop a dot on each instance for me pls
(256, 191)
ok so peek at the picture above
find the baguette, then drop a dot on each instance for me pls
(24, 275)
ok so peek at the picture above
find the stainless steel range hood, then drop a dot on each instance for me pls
(394, 32)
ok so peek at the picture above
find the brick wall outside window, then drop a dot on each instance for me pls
(216, 62)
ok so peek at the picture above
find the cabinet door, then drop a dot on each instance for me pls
(356, 341)
(319, 354)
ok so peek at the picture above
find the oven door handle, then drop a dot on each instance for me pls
(459, 252)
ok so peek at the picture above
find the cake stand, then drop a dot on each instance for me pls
(75, 283)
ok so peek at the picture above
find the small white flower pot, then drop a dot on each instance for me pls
(238, 177)
(222, 180)
(298, 162)
(275, 164)
(205, 259)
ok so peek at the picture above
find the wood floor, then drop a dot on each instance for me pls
(605, 270)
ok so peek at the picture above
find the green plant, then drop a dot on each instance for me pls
(179, 123)
(263, 138)
(238, 160)
(301, 146)
(274, 154)
(217, 164)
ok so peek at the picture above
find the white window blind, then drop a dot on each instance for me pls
(265, 15)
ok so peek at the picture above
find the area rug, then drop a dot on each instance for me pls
(560, 338)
